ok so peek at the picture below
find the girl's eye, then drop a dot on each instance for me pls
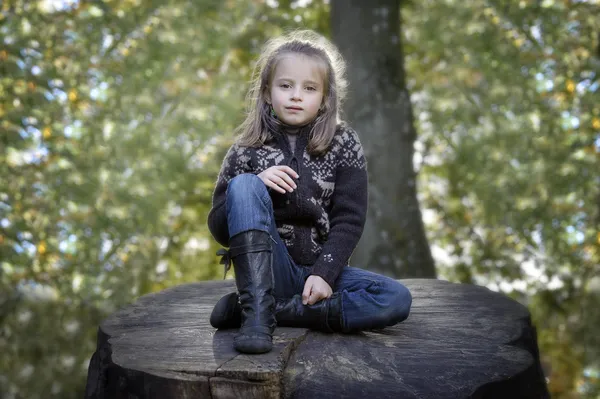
(311, 88)
(285, 85)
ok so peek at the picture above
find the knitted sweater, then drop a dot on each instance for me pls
(322, 220)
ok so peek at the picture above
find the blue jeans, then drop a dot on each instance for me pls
(369, 300)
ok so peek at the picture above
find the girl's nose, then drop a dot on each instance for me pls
(296, 94)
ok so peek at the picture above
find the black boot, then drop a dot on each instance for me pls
(324, 315)
(227, 313)
(252, 257)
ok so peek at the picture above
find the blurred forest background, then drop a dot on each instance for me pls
(115, 115)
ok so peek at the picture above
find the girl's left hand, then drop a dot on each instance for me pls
(315, 289)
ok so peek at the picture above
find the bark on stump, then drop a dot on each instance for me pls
(460, 341)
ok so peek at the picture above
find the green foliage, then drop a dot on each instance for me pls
(110, 121)
(505, 93)
(114, 117)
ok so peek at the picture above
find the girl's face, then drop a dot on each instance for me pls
(296, 91)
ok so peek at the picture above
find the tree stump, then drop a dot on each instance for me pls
(460, 341)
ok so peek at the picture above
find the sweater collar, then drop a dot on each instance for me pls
(278, 127)
(298, 131)
(281, 131)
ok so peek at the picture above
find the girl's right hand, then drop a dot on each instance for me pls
(279, 178)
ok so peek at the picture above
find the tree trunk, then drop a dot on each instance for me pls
(378, 107)
(460, 341)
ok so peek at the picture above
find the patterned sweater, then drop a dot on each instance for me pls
(322, 220)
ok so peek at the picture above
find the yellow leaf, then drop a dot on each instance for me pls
(598, 237)
(84, 106)
(583, 53)
(72, 95)
(570, 86)
(590, 149)
(519, 42)
(596, 123)
(47, 132)
(41, 247)
(3, 55)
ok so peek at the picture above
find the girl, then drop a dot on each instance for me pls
(290, 202)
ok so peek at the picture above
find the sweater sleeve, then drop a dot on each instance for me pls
(233, 164)
(349, 208)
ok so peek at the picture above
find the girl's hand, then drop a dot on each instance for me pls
(315, 289)
(279, 178)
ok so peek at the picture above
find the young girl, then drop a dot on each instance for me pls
(290, 202)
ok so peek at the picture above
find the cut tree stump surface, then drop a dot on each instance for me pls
(460, 341)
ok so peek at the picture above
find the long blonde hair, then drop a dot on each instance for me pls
(255, 129)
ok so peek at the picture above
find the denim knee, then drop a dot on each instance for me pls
(399, 303)
(245, 188)
(245, 183)
(402, 303)
(248, 204)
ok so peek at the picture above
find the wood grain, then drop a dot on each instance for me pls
(460, 341)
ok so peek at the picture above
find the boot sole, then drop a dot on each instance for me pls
(252, 345)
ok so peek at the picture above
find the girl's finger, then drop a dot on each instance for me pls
(286, 177)
(306, 293)
(314, 297)
(274, 186)
(281, 183)
(288, 170)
